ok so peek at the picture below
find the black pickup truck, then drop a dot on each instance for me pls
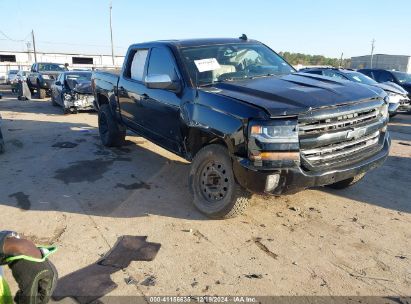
(244, 118)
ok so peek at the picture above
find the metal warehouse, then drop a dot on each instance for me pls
(381, 61)
(19, 60)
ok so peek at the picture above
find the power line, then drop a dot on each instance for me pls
(11, 39)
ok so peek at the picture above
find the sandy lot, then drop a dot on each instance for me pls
(59, 185)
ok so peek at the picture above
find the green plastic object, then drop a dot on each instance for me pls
(48, 249)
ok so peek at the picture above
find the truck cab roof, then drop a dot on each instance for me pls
(196, 42)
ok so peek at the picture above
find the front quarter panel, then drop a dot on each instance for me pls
(223, 117)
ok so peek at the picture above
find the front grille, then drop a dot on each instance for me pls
(341, 135)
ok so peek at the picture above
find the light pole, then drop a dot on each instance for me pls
(372, 50)
(34, 46)
(111, 34)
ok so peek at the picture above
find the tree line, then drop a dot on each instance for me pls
(306, 60)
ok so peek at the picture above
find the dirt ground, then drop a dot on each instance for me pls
(60, 186)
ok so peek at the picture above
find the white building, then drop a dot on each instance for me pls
(400, 63)
(14, 60)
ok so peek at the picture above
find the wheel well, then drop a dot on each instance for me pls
(198, 139)
(101, 99)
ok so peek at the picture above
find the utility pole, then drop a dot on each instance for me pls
(341, 59)
(111, 34)
(372, 50)
(34, 46)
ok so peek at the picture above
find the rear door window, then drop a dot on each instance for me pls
(138, 64)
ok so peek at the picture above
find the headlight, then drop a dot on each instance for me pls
(67, 97)
(273, 140)
(286, 133)
(45, 76)
(384, 110)
(394, 98)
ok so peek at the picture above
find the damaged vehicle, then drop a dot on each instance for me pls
(398, 99)
(72, 91)
(244, 118)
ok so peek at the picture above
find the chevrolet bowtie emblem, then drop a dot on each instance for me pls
(356, 133)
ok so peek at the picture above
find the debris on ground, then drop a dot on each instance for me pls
(253, 276)
(149, 281)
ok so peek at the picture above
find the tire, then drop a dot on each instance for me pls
(1, 143)
(112, 134)
(30, 85)
(347, 182)
(41, 92)
(53, 101)
(224, 198)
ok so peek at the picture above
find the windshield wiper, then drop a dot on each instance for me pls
(261, 76)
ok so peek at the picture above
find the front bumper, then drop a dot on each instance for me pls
(81, 102)
(294, 179)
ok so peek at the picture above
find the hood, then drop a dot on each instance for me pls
(296, 93)
(392, 87)
(83, 87)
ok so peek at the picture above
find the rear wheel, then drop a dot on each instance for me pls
(112, 134)
(1, 143)
(347, 182)
(53, 101)
(212, 183)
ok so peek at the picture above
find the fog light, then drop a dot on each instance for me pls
(272, 182)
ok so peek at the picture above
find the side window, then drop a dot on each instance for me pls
(384, 77)
(161, 63)
(33, 67)
(137, 65)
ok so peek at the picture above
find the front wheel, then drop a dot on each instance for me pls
(53, 101)
(212, 183)
(42, 92)
(347, 182)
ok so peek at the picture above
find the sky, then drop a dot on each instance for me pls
(320, 27)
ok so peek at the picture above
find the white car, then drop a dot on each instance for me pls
(11, 76)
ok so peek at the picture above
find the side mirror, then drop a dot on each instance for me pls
(57, 83)
(163, 82)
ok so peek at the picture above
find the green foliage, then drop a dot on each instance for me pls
(307, 60)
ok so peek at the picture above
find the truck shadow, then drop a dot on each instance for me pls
(63, 167)
(387, 186)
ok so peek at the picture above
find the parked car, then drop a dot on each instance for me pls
(400, 78)
(20, 76)
(11, 75)
(42, 76)
(72, 91)
(247, 122)
(398, 99)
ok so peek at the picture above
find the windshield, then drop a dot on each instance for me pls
(361, 78)
(217, 63)
(51, 67)
(402, 77)
(79, 77)
(13, 72)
